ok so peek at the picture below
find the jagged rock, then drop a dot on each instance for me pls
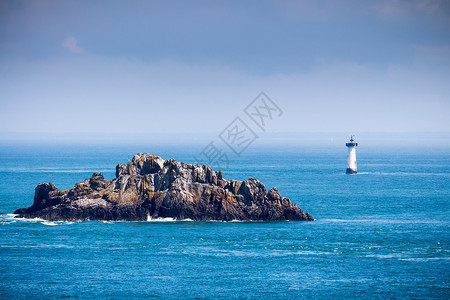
(150, 187)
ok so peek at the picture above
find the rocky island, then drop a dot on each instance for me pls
(149, 187)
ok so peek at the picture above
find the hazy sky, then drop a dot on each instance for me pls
(193, 66)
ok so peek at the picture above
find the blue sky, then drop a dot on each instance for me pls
(192, 66)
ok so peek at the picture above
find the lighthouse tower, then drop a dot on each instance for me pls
(351, 161)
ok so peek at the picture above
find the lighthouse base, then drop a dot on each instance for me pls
(350, 171)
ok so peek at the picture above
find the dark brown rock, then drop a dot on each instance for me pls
(150, 187)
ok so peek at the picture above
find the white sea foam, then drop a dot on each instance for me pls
(207, 251)
(406, 257)
(55, 223)
(48, 223)
(150, 219)
(12, 218)
(33, 220)
(421, 259)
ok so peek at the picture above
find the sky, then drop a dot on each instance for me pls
(156, 67)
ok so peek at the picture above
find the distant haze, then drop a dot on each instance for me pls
(156, 67)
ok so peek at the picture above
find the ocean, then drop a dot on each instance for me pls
(383, 233)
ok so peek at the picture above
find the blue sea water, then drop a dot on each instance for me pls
(383, 233)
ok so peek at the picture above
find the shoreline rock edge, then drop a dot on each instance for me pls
(149, 187)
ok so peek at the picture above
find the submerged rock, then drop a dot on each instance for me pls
(150, 187)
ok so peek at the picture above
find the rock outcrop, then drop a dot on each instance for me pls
(150, 187)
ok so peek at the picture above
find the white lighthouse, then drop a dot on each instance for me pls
(351, 161)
